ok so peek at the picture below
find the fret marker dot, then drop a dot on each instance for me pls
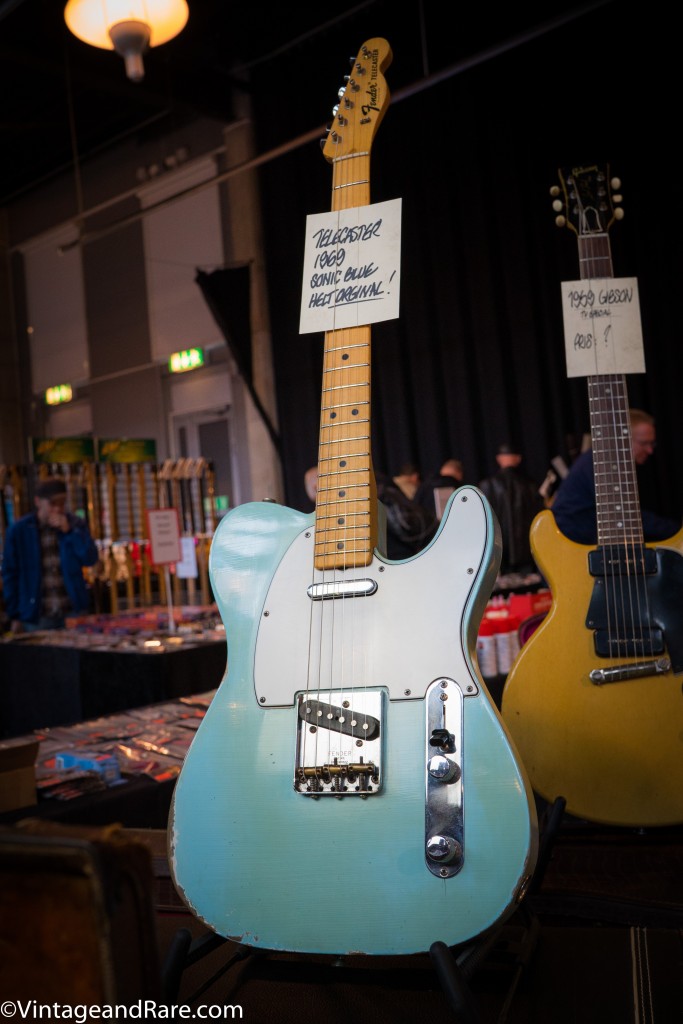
(354, 412)
(333, 415)
(340, 545)
(342, 494)
(343, 462)
(341, 520)
(345, 356)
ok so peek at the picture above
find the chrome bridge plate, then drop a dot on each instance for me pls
(339, 742)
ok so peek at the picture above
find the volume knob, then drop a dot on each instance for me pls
(443, 768)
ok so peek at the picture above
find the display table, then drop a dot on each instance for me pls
(45, 684)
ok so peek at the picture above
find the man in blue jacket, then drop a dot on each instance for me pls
(42, 569)
(574, 504)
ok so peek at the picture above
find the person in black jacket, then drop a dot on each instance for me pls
(515, 500)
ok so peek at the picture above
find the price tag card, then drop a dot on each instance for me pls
(602, 329)
(164, 535)
(186, 569)
(352, 267)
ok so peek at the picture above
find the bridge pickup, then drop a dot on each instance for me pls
(339, 743)
(344, 720)
(635, 670)
(341, 588)
(622, 560)
(611, 645)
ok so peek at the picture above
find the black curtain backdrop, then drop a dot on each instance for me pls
(477, 355)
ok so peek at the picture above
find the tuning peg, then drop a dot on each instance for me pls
(555, 190)
(617, 199)
(558, 205)
(341, 92)
(335, 110)
(615, 182)
(618, 213)
(561, 222)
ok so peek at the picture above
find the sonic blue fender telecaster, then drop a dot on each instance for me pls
(352, 787)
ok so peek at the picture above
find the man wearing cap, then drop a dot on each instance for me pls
(42, 569)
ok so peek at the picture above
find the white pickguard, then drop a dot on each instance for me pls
(401, 637)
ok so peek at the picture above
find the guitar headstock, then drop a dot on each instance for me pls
(363, 101)
(587, 200)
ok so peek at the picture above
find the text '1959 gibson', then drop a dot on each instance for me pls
(352, 788)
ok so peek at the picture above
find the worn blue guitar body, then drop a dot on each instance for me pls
(275, 846)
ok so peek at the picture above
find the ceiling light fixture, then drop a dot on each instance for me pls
(127, 26)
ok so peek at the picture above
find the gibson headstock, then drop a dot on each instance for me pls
(363, 101)
(587, 200)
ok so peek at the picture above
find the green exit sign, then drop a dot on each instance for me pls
(57, 395)
(190, 359)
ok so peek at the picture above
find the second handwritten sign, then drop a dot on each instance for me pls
(602, 330)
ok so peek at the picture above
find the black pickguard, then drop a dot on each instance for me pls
(635, 613)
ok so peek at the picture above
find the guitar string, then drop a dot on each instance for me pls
(353, 188)
(597, 411)
(605, 386)
(356, 636)
(333, 621)
(626, 589)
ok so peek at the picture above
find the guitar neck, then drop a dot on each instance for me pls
(346, 516)
(616, 490)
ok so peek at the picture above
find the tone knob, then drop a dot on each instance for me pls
(443, 849)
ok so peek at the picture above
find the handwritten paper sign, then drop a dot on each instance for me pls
(602, 329)
(352, 267)
(164, 535)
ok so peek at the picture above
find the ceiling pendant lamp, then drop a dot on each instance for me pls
(127, 26)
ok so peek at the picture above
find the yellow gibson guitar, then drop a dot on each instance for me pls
(594, 699)
(352, 787)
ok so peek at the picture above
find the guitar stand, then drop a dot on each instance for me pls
(453, 968)
(454, 971)
(183, 953)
